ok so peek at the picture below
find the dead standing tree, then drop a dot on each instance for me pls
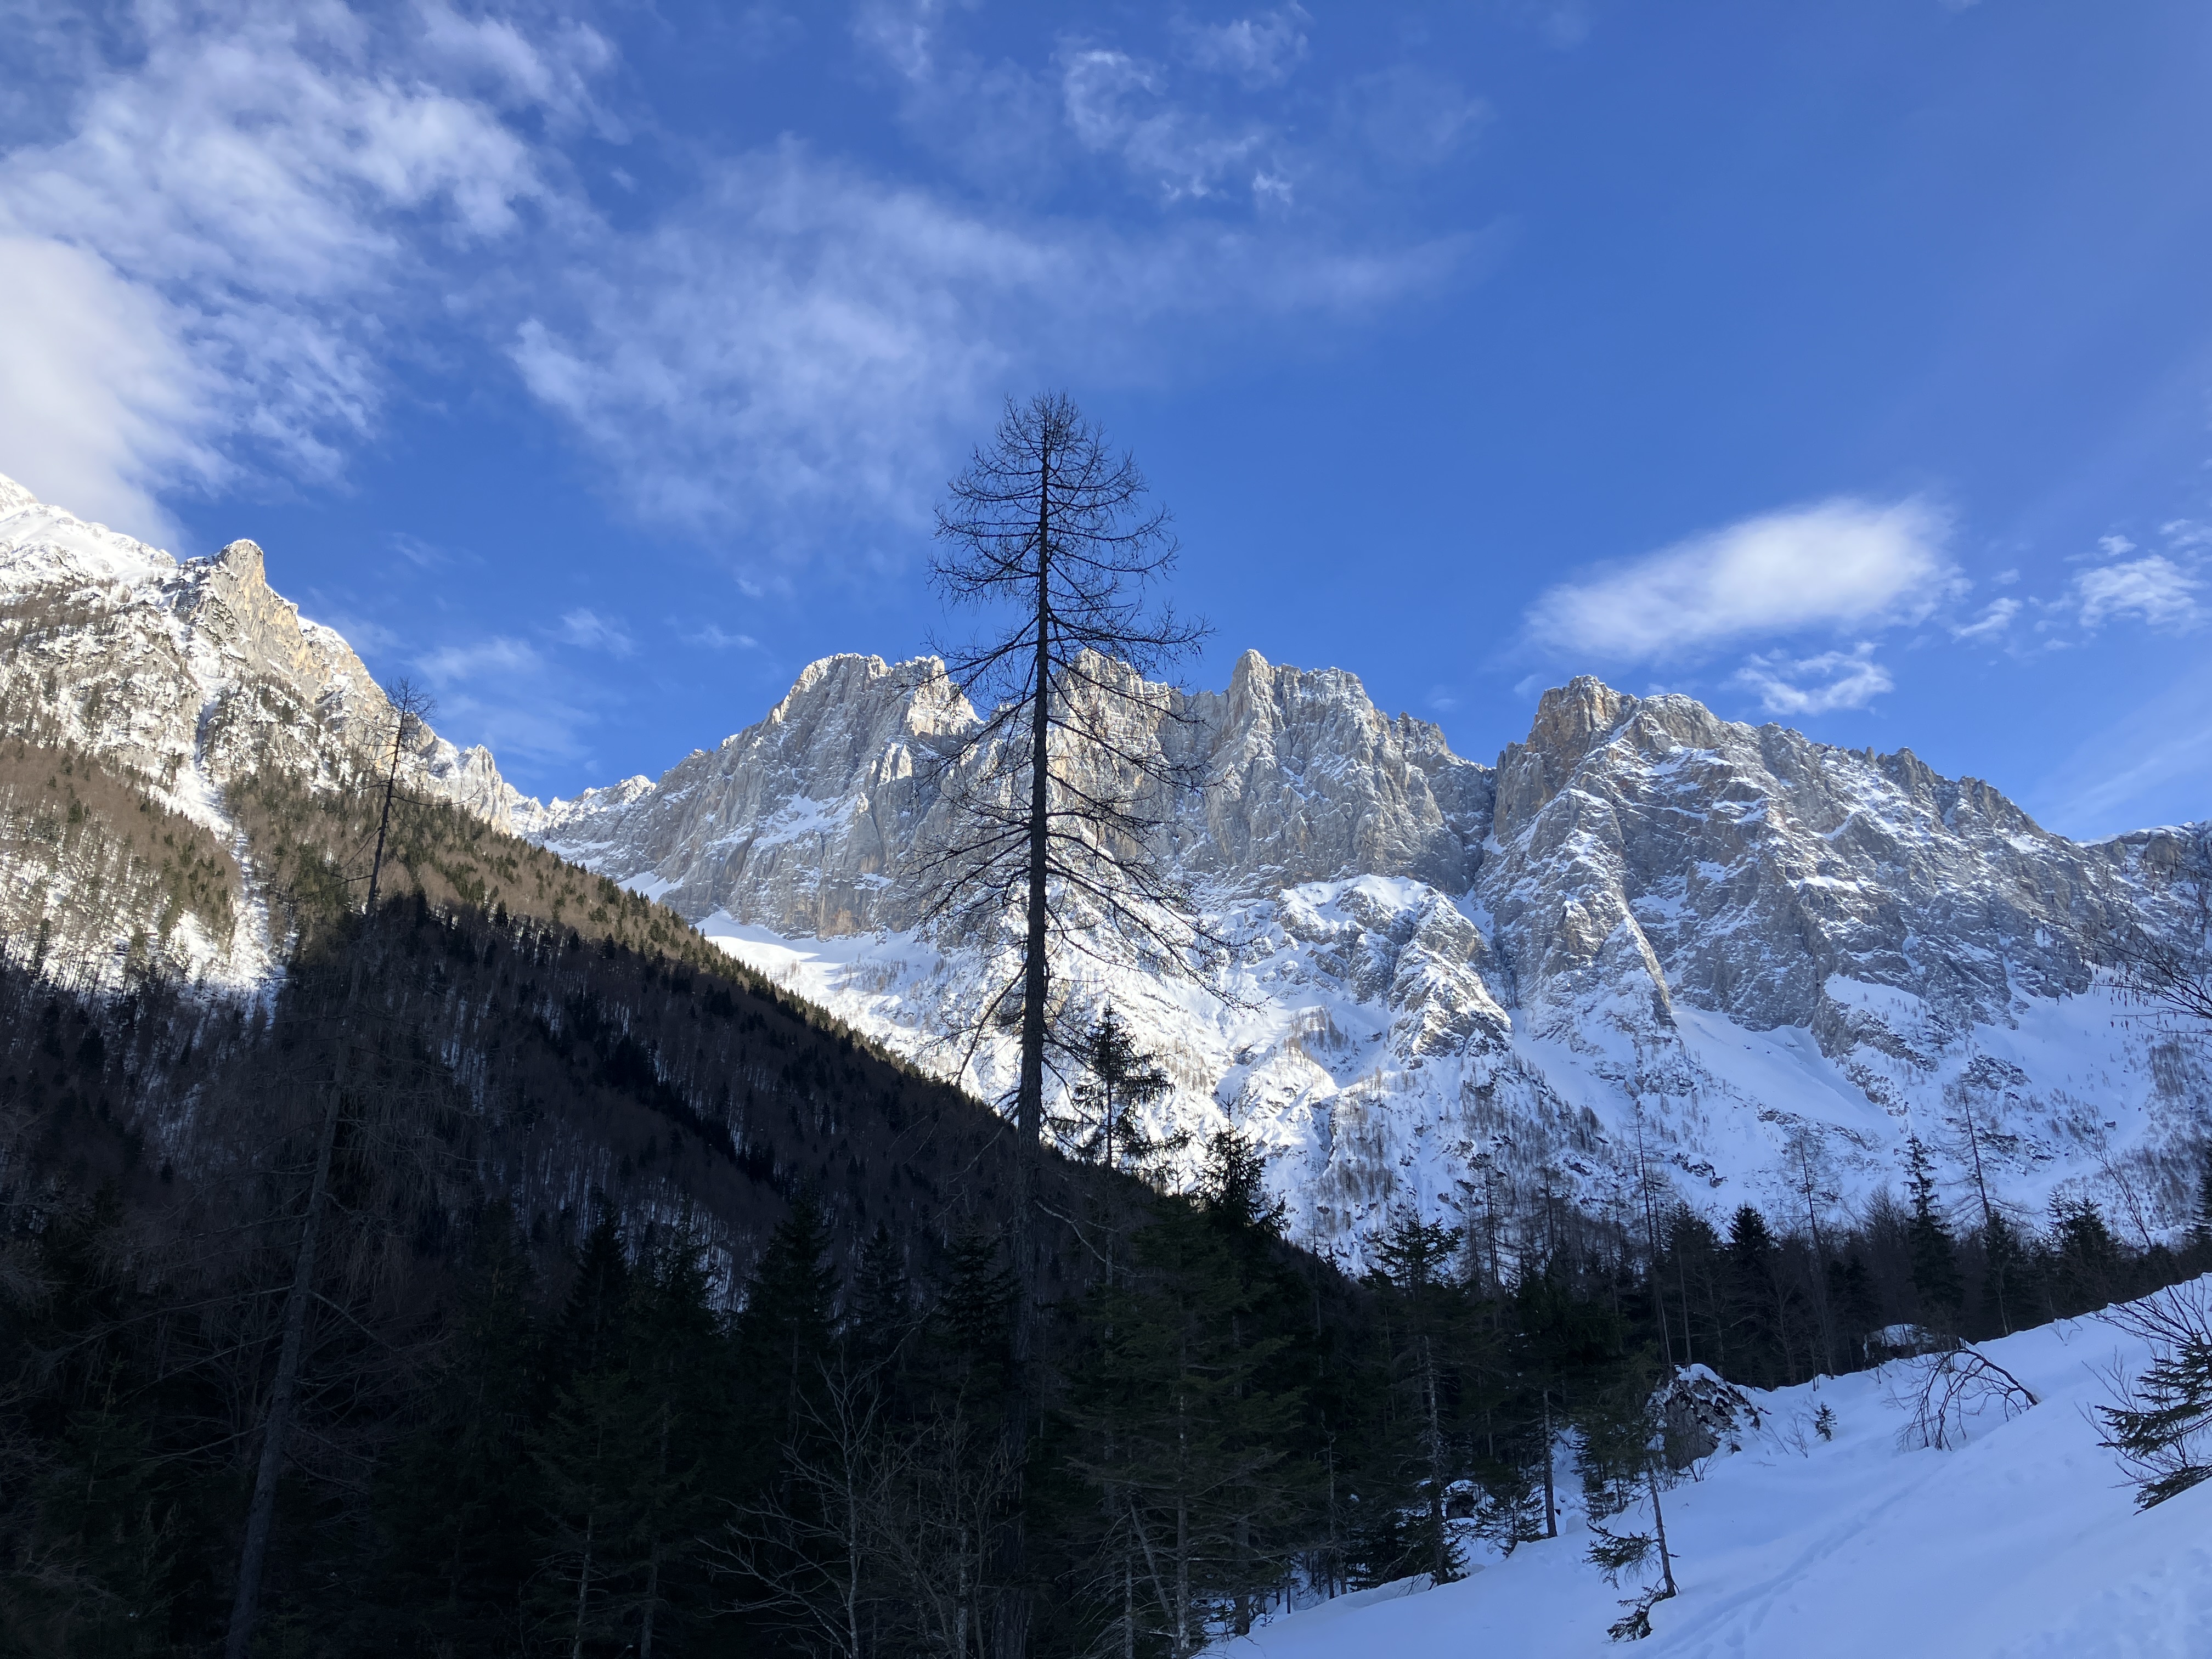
(410, 710)
(1057, 791)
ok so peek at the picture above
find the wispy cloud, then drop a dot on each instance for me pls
(2152, 765)
(1995, 618)
(1259, 50)
(803, 335)
(199, 258)
(493, 657)
(716, 638)
(1843, 563)
(2153, 590)
(595, 633)
(1818, 684)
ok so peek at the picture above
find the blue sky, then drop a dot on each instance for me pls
(1846, 362)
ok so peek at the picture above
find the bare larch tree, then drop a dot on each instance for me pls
(1058, 790)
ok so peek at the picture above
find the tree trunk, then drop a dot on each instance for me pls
(245, 1606)
(583, 1589)
(1551, 1496)
(1659, 1525)
(284, 1393)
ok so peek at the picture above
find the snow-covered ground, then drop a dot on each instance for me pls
(2021, 1544)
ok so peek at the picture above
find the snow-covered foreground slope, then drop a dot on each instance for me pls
(2021, 1544)
(1648, 941)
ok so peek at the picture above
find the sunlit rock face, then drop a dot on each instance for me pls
(1649, 943)
(190, 675)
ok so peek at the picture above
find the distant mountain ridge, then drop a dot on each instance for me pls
(1647, 941)
(1764, 960)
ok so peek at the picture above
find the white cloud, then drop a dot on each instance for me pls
(241, 190)
(1116, 104)
(495, 657)
(1259, 50)
(804, 335)
(1817, 684)
(2154, 589)
(101, 401)
(533, 728)
(1995, 617)
(595, 633)
(1838, 564)
(715, 638)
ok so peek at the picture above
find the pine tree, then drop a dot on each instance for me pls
(2004, 1260)
(676, 1361)
(1756, 1300)
(1186, 1440)
(1117, 1078)
(2200, 1223)
(784, 1335)
(2086, 1256)
(1423, 1302)
(1934, 1250)
(879, 1313)
(458, 1500)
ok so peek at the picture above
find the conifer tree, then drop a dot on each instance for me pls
(2200, 1221)
(1186, 1440)
(784, 1333)
(1116, 1077)
(459, 1498)
(2004, 1258)
(1414, 1272)
(1934, 1250)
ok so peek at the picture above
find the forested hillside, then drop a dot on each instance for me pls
(660, 1316)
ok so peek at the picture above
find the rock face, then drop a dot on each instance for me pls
(1647, 944)
(190, 675)
(1648, 939)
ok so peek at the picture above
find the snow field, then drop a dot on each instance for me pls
(2024, 1543)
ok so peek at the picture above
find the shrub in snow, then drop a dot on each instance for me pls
(1941, 1394)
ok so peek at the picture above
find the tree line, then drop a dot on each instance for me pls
(649, 1419)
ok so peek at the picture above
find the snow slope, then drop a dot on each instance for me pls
(2022, 1544)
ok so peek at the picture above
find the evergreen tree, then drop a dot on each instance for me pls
(1852, 1296)
(2004, 1269)
(676, 1365)
(1117, 1078)
(2200, 1222)
(2086, 1258)
(784, 1335)
(1756, 1301)
(1185, 1440)
(879, 1313)
(460, 1498)
(1934, 1250)
(1424, 1305)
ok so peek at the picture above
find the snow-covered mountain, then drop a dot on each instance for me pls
(1648, 938)
(183, 679)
